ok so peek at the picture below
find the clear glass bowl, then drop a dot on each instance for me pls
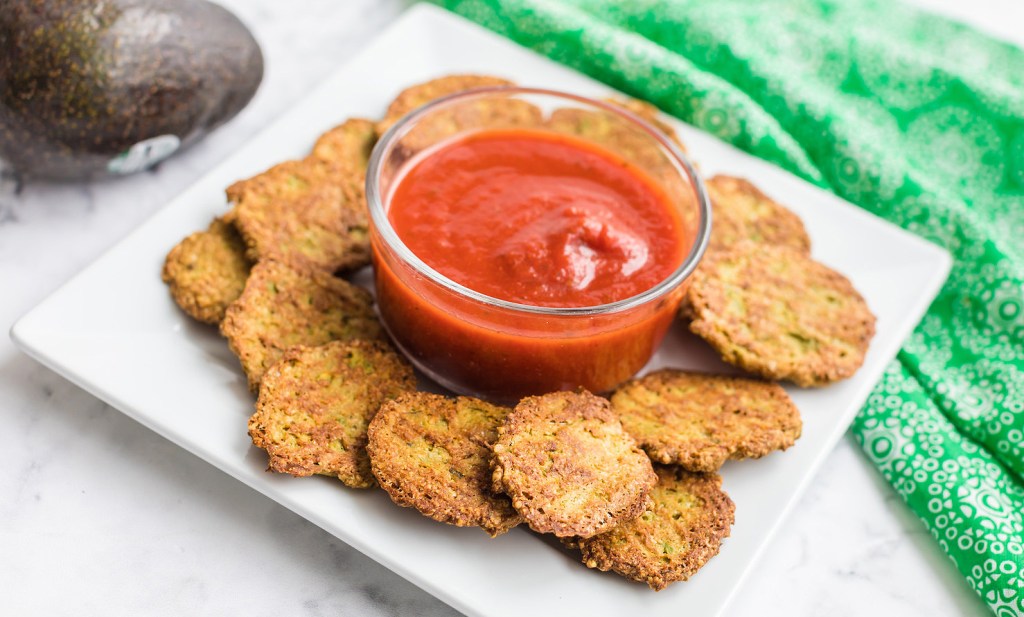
(482, 346)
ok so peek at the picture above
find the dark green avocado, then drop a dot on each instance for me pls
(97, 88)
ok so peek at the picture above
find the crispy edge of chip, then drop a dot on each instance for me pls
(207, 302)
(451, 503)
(708, 298)
(704, 541)
(344, 148)
(286, 389)
(331, 176)
(249, 342)
(422, 93)
(650, 113)
(729, 197)
(519, 481)
(272, 230)
(775, 410)
(349, 143)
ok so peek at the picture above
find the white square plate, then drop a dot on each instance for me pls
(114, 331)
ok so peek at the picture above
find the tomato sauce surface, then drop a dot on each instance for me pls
(538, 218)
(534, 218)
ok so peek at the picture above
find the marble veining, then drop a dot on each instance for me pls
(98, 515)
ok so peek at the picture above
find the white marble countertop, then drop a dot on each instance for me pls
(100, 516)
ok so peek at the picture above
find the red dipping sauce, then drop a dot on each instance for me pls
(538, 218)
(533, 218)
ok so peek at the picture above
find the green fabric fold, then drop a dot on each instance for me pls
(913, 117)
(972, 505)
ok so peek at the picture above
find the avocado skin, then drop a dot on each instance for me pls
(82, 81)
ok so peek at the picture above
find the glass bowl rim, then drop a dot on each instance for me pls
(399, 129)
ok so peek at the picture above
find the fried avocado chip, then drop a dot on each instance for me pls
(614, 133)
(741, 213)
(207, 271)
(326, 227)
(350, 143)
(777, 313)
(491, 113)
(284, 306)
(651, 114)
(420, 94)
(287, 181)
(432, 453)
(698, 421)
(569, 467)
(315, 405)
(673, 539)
(311, 211)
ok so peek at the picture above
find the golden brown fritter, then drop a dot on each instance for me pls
(207, 271)
(287, 181)
(775, 312)
(628, 141)
(673, 539)
(569, 467)
(491, 113)
(698, 421)
(326, 227)
(311, 211)
(335, 155)
(741, 212)
(350, 142)
(432, 453)
(651, 114)
(284, 306)
(423, 93)
(316, 403)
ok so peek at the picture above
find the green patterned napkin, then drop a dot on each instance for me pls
(919, 120)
